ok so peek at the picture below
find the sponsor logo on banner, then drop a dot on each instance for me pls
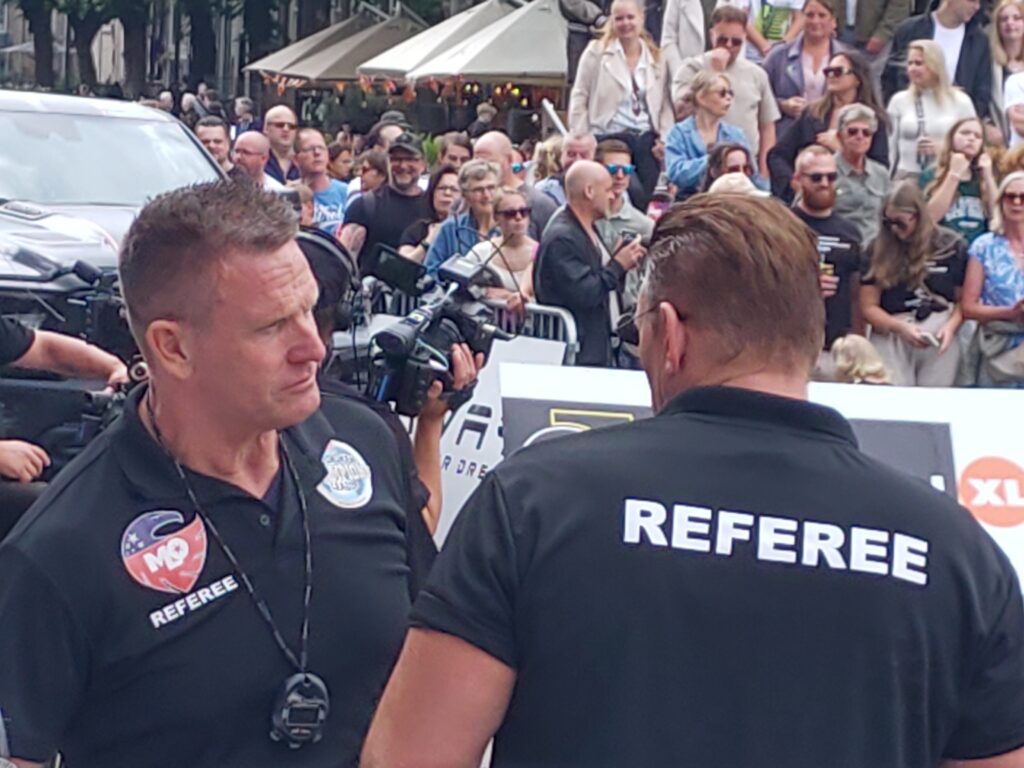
(162, 553)
(993, 489)
(349, 481)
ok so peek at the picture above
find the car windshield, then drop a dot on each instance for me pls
(78, 159)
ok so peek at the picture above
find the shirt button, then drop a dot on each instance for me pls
(265, 520)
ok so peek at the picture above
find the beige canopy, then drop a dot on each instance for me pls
(526, 46)
(341, 60)
(277, 61)
(398, 61)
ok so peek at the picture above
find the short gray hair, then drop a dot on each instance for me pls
(476, 170)
(857, 113)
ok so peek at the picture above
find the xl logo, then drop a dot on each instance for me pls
(160, 553)
(993, 489)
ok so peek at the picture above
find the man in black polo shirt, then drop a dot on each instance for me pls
(575, 270)
(839, 247)
(382, 216)
(729, 584)
(222, 574)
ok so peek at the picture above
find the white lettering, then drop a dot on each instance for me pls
(229, 583)
(987, 492)
(157, 619)
(1012, 493)
(206, 595)
(171, 556)
(867, 543)
(775, 532)
(823, 540)
(909, 552)
(217, 588)
(193, 601)
(730, 530)
(687, 520)
(648, 516)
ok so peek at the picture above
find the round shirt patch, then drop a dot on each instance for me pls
(349, 481)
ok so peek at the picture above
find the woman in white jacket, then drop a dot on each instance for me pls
(622, 90)
(922, 115)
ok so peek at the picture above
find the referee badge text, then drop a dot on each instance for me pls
(349, 481)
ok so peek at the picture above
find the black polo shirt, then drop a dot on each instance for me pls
(729, 584)
(128, 639)
(15, 340)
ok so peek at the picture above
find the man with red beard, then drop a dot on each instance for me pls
(814, 182)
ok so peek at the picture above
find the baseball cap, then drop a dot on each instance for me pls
(737, 184)
(395, 117)
(408, 142)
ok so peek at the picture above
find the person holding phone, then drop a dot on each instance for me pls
(961, 188)
(911, 292)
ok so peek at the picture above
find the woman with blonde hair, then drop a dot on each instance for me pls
(686, 149)
(1006, 39)
(911, 292)
(546, 158)
(510, 254)
(622, 90)
(922, 114)
(857, 361)
(961, 187)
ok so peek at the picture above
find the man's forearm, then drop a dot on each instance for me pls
(426, 446)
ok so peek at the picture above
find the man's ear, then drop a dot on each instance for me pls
(675, 338)
(170, 346)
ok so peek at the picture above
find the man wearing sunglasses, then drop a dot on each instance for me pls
(623, 217)
(839, 248)
(279, 126)
(729, 584)
(753, 107)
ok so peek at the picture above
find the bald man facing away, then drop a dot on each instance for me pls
(576, 270)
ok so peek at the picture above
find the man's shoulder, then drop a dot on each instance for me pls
(914, 25)
(748, 70)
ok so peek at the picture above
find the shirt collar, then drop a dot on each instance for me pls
(642, 63)
(740, 404)
(152, 475)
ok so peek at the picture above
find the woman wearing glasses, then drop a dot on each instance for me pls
(911, 292)
(512, 252)
(847, 81)
(727, 157)
(994, 289)
(922, 114)
(442, 192)
(961, 188)
(686, 150)
(796, 70)
(622, 90)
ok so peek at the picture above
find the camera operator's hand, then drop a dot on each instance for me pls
(465, 370)
(629, 254)
(22, 461)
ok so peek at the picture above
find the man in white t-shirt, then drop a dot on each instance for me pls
(1013, 103)
(964, 45)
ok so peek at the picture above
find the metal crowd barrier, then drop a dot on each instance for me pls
(541, 321)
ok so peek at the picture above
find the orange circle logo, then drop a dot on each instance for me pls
(993, 489)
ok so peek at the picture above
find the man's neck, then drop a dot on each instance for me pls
(945, 17)
(246, 460)
(284, 159)
(619, 202)
(318, 182)
(856, 164)
(410, 191)
(227, 165)
(768, 382)
(586, 218)
(817, 213)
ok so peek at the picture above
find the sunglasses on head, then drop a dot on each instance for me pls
(626, 168)
(817, 178)
(853, 131)
(836, 71)
(515, 213)
(1017, 198)
(723, 41)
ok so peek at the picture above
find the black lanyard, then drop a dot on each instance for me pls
(298, 662)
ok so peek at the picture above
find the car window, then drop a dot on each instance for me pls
(73, 159)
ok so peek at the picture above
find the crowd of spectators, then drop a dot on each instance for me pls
(897, 137)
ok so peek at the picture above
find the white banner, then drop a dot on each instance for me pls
(966, 442)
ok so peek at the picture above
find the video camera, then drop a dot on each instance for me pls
(414, 352)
